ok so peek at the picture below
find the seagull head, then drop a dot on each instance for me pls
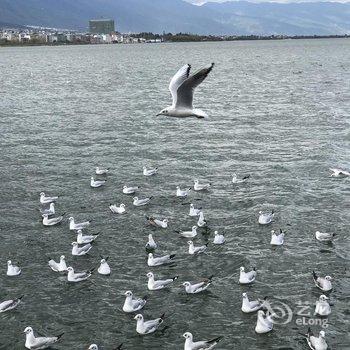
(42, 194)
(196, 181)
(194, 228)
(216, 233)
(328, 278)
(261, 313)
(71, 218)
(74, 243)
(70, 269)
(138, 317)
(62, 257)
(150, 256)
(80, 232)
(322, 334)
(136, 199)
(150, 275)
(186, 284)
(244, 295)
(241, 269)
(28, 330)
(187, 335)
(190, 243)
(164, 111)
(128, 293)
(165, 221)
(125, 186)
(323, 297)
(9, 262)
(103, 261)
(122, 205)
(45, 216)
(93, 347)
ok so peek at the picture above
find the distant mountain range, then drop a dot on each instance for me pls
(237, 17)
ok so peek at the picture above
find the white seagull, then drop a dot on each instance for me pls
(157, 222)
(46, 199)
(277, 238)
(246, 277)
(149, 171)
(130, 189)
(182, 193)
(166, 259)
(339, 172)
(84, 239)
(78, 276)
(51, 221)
(104, 268)
(182, 87)
(95, 347)
(11, 304)
(36, 343)
(96, 183)
(264, 323)
(73, 226)
(140, 202)
(237, 180)
(147, 327)
(194, 211)
(316, 343)
(249, 306)
(201, 187)
(12, 270)
(322, 306)
(151, 244)
(60, 266)
(196, 250)
(197, 287)
(199, 345)
(101, 171)
(323, 283)
(117, 210)
(133, 304)
(79, 251)
(49, 211)
(265, 218)
(188, 234)
(219, 238)
(324, 236)
(152, 284)
(201, 221)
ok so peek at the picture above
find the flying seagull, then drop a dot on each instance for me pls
(182, 87)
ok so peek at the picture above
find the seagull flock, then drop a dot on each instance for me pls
(181, 87)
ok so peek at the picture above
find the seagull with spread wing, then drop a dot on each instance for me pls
(182, 87)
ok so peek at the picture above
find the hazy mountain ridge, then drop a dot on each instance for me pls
(239, 17)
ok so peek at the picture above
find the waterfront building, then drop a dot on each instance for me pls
(101, 26)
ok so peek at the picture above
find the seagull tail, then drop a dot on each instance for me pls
(314, 275)
(177, 231)
(59, 336)
(175, 278)
(172, 256)
(119, 347)
(215, 340)
(20, 298)
(210, 278)
(145, 297)
(162, 316)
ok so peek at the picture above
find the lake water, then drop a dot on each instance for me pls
(278, 110)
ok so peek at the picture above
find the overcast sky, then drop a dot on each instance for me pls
(199, 2)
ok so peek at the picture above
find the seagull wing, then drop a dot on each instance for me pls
(182, 74)
(152, 325)
(42, 342)
(186, 89)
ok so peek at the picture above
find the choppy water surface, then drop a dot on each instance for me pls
(279, 110)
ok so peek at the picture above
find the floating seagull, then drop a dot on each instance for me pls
(104, 268)
(95, 347)
(11, 304)
(339, 172)
(277, 239)
(36, 343)
(51, 221)
(219, 238)
(156, 222)
(96, 183)
(78, 276)
(117, 210)
(236, 180)
(246, 277)
(49, 211)
(194, 211)
(78, 226)
(85, 239)
(196, 250)
(139, 202)
(199, 345)
(249, 306)
(101, 171)
(182, 193)
(188, 234)
(265, 218)
(324, 236)
(151, 244)
(198, 286)
(201, 221)
(166, 259)
(12, 270)
(79, 251)
(149, 171)
(182, 87)
(322, 306)
(160, 284)
(58, 266)
(147, 327)
(264, 323)
(316, 343)
(46, 199)
(130, 189)
(201, 187)
(323, 283)
(133, 304)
